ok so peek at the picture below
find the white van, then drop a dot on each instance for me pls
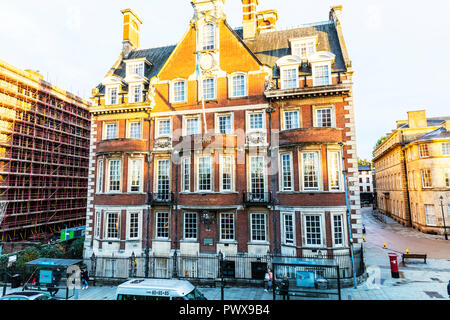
(156, 289)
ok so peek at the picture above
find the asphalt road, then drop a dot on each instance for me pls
(399, 238)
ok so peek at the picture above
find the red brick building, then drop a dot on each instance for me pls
(229, 141)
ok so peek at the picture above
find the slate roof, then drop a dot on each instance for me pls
(440, 133)
(157, 56)
(270, 46)
(431, 122)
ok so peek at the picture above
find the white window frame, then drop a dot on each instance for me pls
(233, 215)
(173, 95)
(129, 131)
(211, 187)
(249, 172)
(266, 235)
(249, 114)
(221, 115)
(203, 88)
(108, 96)
(283, 77)
(132, 93)
(305, 234)
(231, 85)
(108, 187)
(330, 170)
(107, 230)
(98, 224)
(221, 172)
(285, 112)
(422, 172)
(333, 116)
(185, 225)
(430, 217)
(314, 73)
(139, 223)
(343, 226)
(186, 183)
(158, 128)
(427, 148)
(207, 46)
(105, 130)
(133, 68)
(157, 228)
(130, 174)
(298, 44)
(157, 176)
(318, 173)
(282, 172)
(100, 175)
(446, 148)
(185, 120)
(293, 241)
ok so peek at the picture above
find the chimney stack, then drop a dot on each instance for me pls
(336, 14)
(131, 30)
(266, 20)
(249, 22)
(417, 119)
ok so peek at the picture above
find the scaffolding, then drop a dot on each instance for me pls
(44, 158)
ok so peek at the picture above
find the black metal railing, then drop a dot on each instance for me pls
(161, 198)
(257, 198)
(207, 267)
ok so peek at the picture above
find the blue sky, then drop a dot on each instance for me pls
(400, 49)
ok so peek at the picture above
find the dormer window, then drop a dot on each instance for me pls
(289, 66)
(209, 37)
(135, 68)
(321, 63)
(135, 93)
(289, 78)
(112, 95)
(304, 47)
(322, 75)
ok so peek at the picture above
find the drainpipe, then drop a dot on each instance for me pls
(349, 220)
(149, 161)
(270, 110)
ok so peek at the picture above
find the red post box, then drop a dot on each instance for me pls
(394, 265)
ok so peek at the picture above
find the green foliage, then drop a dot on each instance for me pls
(380, 141)
(51, 252)
(27, 255)
(75, 250)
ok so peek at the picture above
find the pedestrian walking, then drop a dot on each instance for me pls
(269, 280)
(284, 289)
(84, 280)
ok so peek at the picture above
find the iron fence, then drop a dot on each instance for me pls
(211, 267)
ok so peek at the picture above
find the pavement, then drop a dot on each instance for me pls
(418, 281)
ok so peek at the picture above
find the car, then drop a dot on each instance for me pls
(27, 295)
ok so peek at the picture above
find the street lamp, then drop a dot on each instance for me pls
(443, 217)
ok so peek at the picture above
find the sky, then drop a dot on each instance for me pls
(400, 49)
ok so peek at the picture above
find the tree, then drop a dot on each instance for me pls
(76, 249)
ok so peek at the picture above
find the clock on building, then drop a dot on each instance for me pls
(206, 61)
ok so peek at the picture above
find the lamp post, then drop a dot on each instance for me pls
(443, 217)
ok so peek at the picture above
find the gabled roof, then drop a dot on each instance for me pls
(269, 46)
(157, 56)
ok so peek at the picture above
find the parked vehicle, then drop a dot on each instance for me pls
(155, 289)
(27, 295)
